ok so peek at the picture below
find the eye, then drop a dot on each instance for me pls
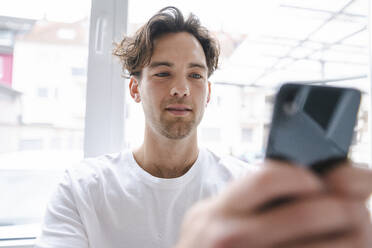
(196, 76)
(162, 74)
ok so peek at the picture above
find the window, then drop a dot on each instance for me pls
(42, 92)
(247, 135)
(42, 106)
(6, 63)
(1, 68)
(78, 71)
(30, 145)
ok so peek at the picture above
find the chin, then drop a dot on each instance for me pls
(178, 130)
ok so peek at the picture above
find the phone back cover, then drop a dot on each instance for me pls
(312, 124)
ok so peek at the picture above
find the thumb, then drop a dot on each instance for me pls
(350, 181)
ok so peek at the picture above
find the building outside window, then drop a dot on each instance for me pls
(40, 131)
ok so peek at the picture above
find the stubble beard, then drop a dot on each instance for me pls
(174, 128)
(178, 128)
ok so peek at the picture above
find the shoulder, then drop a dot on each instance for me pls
(89, 173)
(94, 167)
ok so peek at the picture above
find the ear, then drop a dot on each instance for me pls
(134, 89)
(209, 93)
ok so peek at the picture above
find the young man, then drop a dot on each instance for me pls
(140, 198)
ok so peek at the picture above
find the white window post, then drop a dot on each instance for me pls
(104, 121)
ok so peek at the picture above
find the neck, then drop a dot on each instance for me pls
(167, 158)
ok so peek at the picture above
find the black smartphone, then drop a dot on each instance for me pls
(313, 126)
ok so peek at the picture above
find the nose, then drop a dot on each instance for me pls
(180, 88)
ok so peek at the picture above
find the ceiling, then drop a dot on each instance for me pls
(303, 40)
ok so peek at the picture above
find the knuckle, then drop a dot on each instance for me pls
(356, 212)
(196, 212)
(227, 234)
(266, 177)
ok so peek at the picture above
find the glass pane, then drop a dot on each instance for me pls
(43, 72)
(263, 44)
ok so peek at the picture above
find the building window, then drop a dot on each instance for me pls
(78, 71)
(30, 145)
(42, 92)
(247, 135)
(1, 68)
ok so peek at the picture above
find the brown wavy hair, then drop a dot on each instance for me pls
(135, 52)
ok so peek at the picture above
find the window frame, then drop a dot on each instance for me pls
(105, 98)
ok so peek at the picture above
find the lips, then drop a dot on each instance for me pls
(179, 110)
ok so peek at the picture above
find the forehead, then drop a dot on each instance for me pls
(178, 47)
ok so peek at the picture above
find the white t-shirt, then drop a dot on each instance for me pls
(111, 202)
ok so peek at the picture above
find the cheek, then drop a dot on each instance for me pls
(200, 96)
(203, 93)
(153, 95)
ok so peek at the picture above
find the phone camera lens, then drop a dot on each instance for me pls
(290, 108)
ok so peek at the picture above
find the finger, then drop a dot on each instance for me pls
(341, 241)
(350, 181)
(297, 223)
(364, 236)
(275, 180)
(359, 237)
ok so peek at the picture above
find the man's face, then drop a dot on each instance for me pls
(174, 87)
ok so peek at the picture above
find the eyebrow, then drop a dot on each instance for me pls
(169, 64)
(191, 65)
(160, 63)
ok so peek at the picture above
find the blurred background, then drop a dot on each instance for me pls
(264, 44)
(44, 57)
